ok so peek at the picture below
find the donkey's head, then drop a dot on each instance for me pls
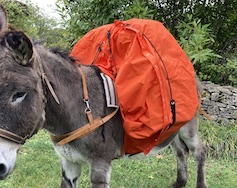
(21, 94)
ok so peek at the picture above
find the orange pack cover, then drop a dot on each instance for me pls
(150, 70)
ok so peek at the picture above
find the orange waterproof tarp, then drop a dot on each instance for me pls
(149, 69)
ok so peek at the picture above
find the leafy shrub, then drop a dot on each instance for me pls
(196, 40)
(138, 9)
(227, 72)
(222, 72)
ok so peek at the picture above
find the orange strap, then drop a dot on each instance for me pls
(199, 106)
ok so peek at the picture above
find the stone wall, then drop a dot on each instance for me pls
(220, 102)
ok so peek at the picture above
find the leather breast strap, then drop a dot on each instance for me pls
(88, 128)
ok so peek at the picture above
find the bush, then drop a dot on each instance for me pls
(228, 72)
(196, 40)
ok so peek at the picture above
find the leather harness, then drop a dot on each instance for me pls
(88, 128)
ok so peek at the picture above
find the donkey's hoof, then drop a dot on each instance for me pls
(201, 186)
(178, 184)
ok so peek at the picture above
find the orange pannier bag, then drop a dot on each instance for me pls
(154, 79)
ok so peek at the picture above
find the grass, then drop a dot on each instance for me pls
(220, 140)
(38, 166)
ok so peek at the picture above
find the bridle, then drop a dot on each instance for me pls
(12, 136)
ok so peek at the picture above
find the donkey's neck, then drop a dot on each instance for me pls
(66, 81)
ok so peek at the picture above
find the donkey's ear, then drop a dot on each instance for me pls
(20, 45)
(3, 19)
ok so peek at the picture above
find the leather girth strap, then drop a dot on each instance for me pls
(88, 128)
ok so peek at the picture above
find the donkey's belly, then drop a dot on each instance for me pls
(155, 151)
(70, 154)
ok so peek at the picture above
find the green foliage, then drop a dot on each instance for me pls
(222, 17)
(230, 71)
(15, 10)
(196, 40)
(219, 14)
(225, 72)
(220, 140)
(80, 16)
(138, 9)
(37, 24)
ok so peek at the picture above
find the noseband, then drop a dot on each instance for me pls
(12, 137)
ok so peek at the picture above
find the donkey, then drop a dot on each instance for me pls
(41, 88)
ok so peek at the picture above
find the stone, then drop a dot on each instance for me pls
(215, 96)
(220, 102)
(226, 91)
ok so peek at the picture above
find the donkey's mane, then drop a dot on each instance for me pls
(62, 53)
(65, 55)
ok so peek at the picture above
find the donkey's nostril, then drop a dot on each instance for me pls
(3, 170)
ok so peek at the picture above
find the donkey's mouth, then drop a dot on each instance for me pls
(8, 154)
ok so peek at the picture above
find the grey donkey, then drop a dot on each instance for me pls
(41, 88)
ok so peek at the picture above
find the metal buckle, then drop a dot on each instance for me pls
(88, 109)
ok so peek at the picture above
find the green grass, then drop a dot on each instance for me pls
(38, 166)
(220, 140)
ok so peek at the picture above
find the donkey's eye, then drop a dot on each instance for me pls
(18, 97)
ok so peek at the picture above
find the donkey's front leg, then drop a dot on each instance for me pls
(70, 174)
(100, 173)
